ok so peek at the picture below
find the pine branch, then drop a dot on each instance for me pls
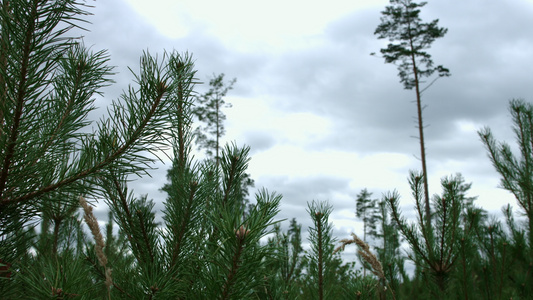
(20, 99)
(185, 222)
(241, 234)
(110, 158)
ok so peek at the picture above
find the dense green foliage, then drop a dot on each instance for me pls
(204, 243)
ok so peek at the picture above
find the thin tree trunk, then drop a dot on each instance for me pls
(422, 148)
(421, 134)
(217, 131)
(364, 239)
(320, 261)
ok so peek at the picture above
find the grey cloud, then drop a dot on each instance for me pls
(258, 141)
(487, 49)
(341, 81)
(297, 192)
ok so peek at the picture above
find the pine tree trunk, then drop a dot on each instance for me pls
(364, 239)
(421, 135)
(320, 261)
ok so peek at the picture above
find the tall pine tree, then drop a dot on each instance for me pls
(409, 37)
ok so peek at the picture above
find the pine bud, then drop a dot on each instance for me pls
(242, 232)
(161, 87)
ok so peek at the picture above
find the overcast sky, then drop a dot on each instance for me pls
(323, 118)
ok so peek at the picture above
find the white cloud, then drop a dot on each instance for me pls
(378, 170)
(245, 23)
(255, 115)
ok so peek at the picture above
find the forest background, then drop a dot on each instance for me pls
(256, 220)
(322, 117)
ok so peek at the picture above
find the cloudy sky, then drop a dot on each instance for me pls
(323, 118)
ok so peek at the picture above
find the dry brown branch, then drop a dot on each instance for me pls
(368, 256)
(92, 222)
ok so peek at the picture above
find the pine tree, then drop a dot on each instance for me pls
(389, 249)
(434, 251)
(53, 162)
(286, 270)
(324, 267)
(208, 109)
(516, 172)
(517, 175)
(402, 26)
(209, 248)
(365, 210)
(49, 154)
